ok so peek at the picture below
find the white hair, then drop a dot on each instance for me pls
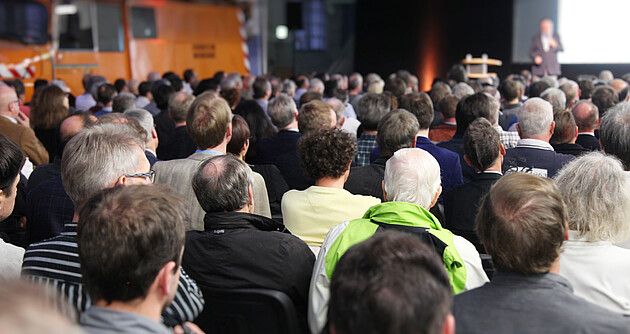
(339, 108)
(606, 76)
(461, 90)
(376, 87)
(316, 85)
(596, 191)
(143, 117)
(556, 97)
(412, 175)
(535, 117)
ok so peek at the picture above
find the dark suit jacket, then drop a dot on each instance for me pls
(270, 148)
(507, 114)
(462, 203)
(180, 145)
(549, 65)
(457, 145)
(588, 142)
(290, 166)
(572, 149)
(48, 207)
(165, 127)
(151, 157)
(367, 180)
(535, 161)
(450, 167)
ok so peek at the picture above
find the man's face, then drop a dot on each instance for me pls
(333, 119)
(8, 202)
(143, 167)
(546, 27)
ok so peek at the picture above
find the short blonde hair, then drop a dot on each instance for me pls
(208, 119)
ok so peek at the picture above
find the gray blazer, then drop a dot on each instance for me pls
(550, 58)
(179, 173)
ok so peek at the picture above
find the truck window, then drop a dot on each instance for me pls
(24, 21)
(91, 26)
(143, 22)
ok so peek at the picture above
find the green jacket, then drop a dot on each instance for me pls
(405, 214)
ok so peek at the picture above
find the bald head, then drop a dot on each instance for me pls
(8, 102)
(546, 27)
(586, 116)
(621, 87)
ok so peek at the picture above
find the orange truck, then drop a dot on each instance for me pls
(118, 39)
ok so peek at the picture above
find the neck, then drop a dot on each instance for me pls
(292, 126)
(330, 182)
(354, 91)
(449, 120)
(423, 132)
(220, 148)
(515, 101)
(7, 113)
(586, 130)
(180, 124)
(75, 217)
(145, 307)
(496, 167)
(369, 132)
(555, 267)
(544, 138)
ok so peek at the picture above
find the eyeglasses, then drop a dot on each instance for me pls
(149, 176)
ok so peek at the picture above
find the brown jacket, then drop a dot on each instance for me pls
(25, 138)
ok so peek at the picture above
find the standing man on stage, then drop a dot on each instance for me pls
(544, 49)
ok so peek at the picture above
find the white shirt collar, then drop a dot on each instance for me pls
(534, 143)
(587, 133)
(13, 120)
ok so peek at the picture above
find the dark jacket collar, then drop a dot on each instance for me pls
(535, 280)
(234, 220)
(487, 176)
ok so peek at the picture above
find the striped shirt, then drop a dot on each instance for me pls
(55, 263)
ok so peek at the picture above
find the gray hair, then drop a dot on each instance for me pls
(178, 108)
(316, 85)
(282, 110)
(571, 90)
(123, 102)
(231, 80)
(372, 107)
(144, 118)
(412, 175)
(551, 81)
(288, 87)
(461, 90)
(614, 133)
(535, 117)
(495, 106)
(376, 87)
(585, 120)
(596, 191)
(606, 76)
(556, 97)
(339, 108)
(96, 157)
(372, 77)
(222, 183)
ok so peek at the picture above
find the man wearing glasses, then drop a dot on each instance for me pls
(97, 158)
(15, 125)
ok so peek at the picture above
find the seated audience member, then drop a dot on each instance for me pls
(48, 206)
(50, 107)
(145, 120)
(209, 124)
(397, 129)
(509, 139)
(596, 191)
(355, 89)
(95, 159)
(586, 116)
(438, 92)
(446, 129)
(164, 125)
(536, 88)
(11, 159)
(621, 87)
(239, 249)
(615, 131)
(310, 96)
(372, 108)
(310, 213)
(238, 145)
(259, 126)
(533, 154)
(284, 115)
(462, 90)
(604, 97)
(511, 92)
(15, 125)
(124, 101)
(105, 97)
(181, 144)
(564, 134)
(131, 286)
(522, 223)
(262, 92)
(420, 106)
(411, 186)
(390, 283)
(485, 153)
(571, 91)
(349, 124)
(555, 97)
(313, 116)
(144, 94)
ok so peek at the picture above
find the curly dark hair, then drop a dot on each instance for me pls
(326, 153)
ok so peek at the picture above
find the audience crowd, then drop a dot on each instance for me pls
(364, 204)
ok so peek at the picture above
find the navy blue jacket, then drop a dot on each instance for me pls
(270, 148)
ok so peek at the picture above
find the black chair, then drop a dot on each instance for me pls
(488, 266)
(247, 311)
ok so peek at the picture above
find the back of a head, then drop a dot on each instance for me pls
(535, 117)
(95, 158)
(143, 117)
(314, 116)
(564, 131)
(586, 115)
(570, 90)
(614, 133)
(261, 87)
(205, 85)
(146, 223)
(601, 177)
(282, 110)
(178, 106)
(317, 85)
(161, 95)
(48, 108)
(457, 73)
(620, 86)
(11, 158)
(510, 90)
(396, 86)
(462, 90)
(439, 91)
(355, 81)
(124, 101)
(145, 88)
(556, 97)
(604, 97)
(315, 147)
(482, 144)
(310, 96)
(222, 183)
(372, 107)
(390, 283)
(338, 107)
(472, 107)
(240, 135)
(396, 130)
(420, 105)
(106, 93)
(207, 120)
(586, 88)
(412, 175)
(522, 223)
(448, 106)
(606, 76)
(536, 88)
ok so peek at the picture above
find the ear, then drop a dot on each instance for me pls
(449, 325)
(597, 123)
(121, 180)
(165, 278)
(518, 129)
(435, 198)
(468, 161)
(552, 127)
(228, 133)
(566, 231)
(501, 149)
(154, 133)
(384, 192)
(250, 191)
(576, 133)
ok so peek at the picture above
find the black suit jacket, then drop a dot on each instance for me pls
(549, 65)
(290, 166)
(367, 180)
(572, 149)
(462, 203)
(270, 148)
(165, 127)
(588, 142)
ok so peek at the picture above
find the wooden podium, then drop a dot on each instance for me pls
(478, 67)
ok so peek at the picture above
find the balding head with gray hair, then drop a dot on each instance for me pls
(339, 108)
(372, 107)
(556, 97)
(178, 106)
(282, 111)
(586, 115)
(144, 118)
(461, 90)
(317, 85)
(123, 101)
(614, 133)
(412, 175)
(535, 119)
